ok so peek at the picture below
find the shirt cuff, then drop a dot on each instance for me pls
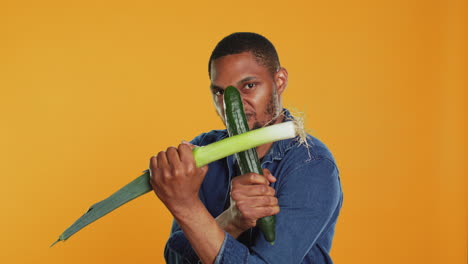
(231, 251)
(179, 245)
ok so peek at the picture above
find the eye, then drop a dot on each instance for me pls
(249, 85)
(218, 92)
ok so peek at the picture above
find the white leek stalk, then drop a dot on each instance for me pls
(251, 139)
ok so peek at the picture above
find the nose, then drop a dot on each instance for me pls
(245, 103)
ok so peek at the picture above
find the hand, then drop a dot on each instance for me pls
(251, 199)
(175, 178)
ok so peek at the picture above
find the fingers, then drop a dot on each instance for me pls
(153, 165)
(268, 175)
(188, 161)
(250, 178)
(192, 146)
(175, 178)
(258, 201)
(173, 159)
(254, 213)
(251, 185)
(170, 158)
(256, 207)
(162, 160)
(176, 162)
(186, 154)
(238, 192)
(253, 197)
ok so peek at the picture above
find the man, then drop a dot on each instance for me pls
(215, 212)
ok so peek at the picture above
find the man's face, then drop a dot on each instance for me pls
(259, 88)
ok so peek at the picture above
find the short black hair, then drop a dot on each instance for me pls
(240, 42)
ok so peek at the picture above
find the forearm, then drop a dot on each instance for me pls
(201, 230)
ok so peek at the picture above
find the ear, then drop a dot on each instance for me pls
(219, 106)
(281, 80)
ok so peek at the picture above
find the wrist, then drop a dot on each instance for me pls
(227, 222)
(185, 209)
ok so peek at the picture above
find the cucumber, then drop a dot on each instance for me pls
(236, 123)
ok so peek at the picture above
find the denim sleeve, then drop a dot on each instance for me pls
(308, 197)
(178, 249)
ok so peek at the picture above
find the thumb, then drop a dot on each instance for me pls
(268, 175)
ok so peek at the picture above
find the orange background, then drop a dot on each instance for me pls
(90, 90)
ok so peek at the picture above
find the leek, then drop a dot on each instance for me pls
(203, 156)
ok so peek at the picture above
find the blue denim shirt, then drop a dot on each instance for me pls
(310, 198)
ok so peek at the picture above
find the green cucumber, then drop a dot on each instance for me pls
(236, 123)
